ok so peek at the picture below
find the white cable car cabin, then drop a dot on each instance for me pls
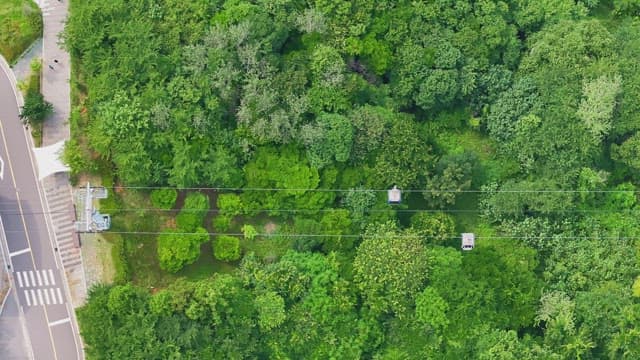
(468, 241)
(394, 196)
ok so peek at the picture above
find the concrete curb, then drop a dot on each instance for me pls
(5, 270)
(12, 78)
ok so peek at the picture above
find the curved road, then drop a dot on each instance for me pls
(37, 277)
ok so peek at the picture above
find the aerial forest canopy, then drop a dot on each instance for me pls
(516, 120)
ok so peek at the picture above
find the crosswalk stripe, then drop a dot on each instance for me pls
(33, 279)
(53, 279)
(33, 296)
(46, 297)
(19, 276)
(53, 296)
(40, 296)
(26, 296)
(44, 276)
(39, 278)
(60, 296)
(26, 278)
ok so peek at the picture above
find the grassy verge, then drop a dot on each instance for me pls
(20, 25)
(32, 85)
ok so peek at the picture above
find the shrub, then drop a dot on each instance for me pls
(221, 223)
(164, 198)
(229, 204)
(35, 109)
(193, 212)
(227, 248)
(249, 231)
(74, 157)
(175, 250)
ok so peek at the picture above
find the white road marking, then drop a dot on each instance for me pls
(26, 296)
(39, 278)
(33, 279)
(60, 296)
(53, 279)
(26, 278)
(19, 252)
(53, 296)
(19, 276)
(1, 169)
(46, 279)
(40, 296)
(46, 297)
(33, 295)
(59, 322)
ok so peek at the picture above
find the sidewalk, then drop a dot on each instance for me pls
(56, 89)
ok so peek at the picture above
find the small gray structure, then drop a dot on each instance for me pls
(468, 241)
(394, 195)
(90, 219)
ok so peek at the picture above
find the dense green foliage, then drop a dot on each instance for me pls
(226, 248)
(515, 120)
(20, 26)
(35, 109)
(164, 198)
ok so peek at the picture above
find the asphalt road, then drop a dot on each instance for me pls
(37, 277)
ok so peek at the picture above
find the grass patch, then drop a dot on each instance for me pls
(20, 26)
(32, 85)
(492, 167)
(268, 248)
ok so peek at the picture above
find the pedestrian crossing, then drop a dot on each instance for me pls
(47, 296)
(33, 278)
(39, 287)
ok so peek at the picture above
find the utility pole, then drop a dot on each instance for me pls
(91, 220)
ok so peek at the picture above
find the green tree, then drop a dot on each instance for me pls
(431, 309)
(390, 268)
(192, 214)
(179, 248)
(404, 157)
(328, 139)
(271, 311)
(435, 228)
(598, 103)
(628, 153)
(164, 198)
(35, 109)
(452, 174)
(226, 248)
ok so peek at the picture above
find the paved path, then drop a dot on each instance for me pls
(37, 276)
(56, 90)
(22, 68)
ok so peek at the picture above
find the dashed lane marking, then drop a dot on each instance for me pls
(19, 252)
(59, 322)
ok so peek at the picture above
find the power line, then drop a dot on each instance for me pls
(294, 235)
(366, 190)
(449, 236)
(325, 210)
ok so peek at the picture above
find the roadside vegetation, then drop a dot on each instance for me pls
(249, 146)
(20, 26)
(35, 109)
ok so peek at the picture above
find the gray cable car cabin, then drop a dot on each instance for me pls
(394, 196)
(468, 241)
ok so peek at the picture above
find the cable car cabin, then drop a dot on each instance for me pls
(394, 196)
(468, 241)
